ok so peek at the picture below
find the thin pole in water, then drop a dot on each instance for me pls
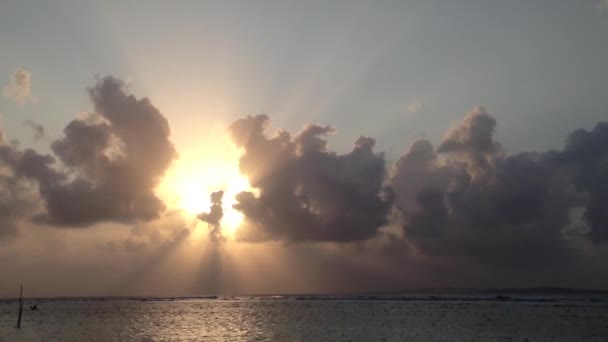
(20, 307)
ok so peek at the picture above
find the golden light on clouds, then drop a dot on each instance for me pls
(201, 170)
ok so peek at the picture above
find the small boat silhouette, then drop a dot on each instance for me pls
(33, 307)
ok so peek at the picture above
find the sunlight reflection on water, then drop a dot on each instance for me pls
(291, 320)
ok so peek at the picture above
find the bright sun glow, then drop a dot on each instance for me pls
(196, 174)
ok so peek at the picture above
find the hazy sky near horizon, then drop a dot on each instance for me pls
(528, 73)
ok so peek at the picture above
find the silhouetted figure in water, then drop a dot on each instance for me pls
(34, 307)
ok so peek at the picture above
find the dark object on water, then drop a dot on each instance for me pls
(20, 307)
(34, 307)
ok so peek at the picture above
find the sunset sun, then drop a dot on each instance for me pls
(213, 167)
(194, 198)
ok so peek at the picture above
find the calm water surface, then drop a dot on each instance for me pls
(310, 320)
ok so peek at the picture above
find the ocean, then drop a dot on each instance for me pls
(292, 318)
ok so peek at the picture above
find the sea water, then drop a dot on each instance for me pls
(306, 319)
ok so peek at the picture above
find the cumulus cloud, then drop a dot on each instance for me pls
(586, 156)
(18, 196)
(106, 167)
(19, 87)
(518, 217)
(306, 192)
(111, 162)
(471, 142)
(464, 202)
(214, 217)
(467, 198)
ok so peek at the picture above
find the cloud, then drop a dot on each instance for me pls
(111, 162)
(19, 87)
(18, 196)
(414, 106)
(214, 217)
(463, 208)
(586, 156)
(306, 192)
(38, 130)
(154, 236)
(602, 5)
(471, 142)
(105, 168)
(469, 198)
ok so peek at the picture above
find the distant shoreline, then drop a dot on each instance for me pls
(426, 294)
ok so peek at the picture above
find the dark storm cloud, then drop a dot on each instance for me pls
(111, 162)
(214, 217)
(468, 198)
(307, 193)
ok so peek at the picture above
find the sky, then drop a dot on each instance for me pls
(232, 147)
